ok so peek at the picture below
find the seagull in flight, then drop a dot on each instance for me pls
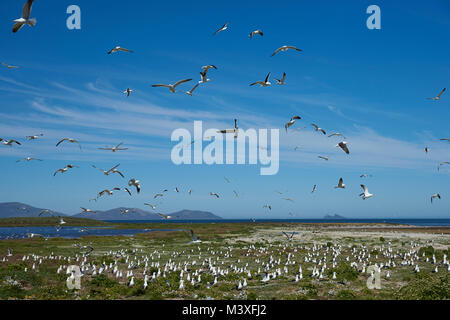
(171, 86)
(224, 27)
(236, 194)
(427, 149)
(291, 122)
(9, 142)
(214, 194)
(87, 210)
(128, 91)
(27, 159)
(324, 158)
(316, 128)
(164, 216)
(107, 191)
(25, 19)
(116, 49)
(438, 97)
(445, 139)
(34, 137)
(253, 33)
(343, 146)
(314, 188)
(114, 149)
(285, 48)
(69, 140)
(235, 130)
(340, 184)
(127, 191)
(45, 211)
(65, 169)
(204, 73)
(266, 82)
(268, 206)
(336, 134)
(443, 163)
(281, 81)
(110, 171)
(150, 205)
(158, 195)
(9, 66)
(436, 195)
(189, 93)
(365, 195)
(135, 183)
(364, 175)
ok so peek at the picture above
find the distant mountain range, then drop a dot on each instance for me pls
(335, 216)
(17, 209)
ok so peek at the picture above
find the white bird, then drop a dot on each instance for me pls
(135, 183)
(235, 130)
(336, 134)
(285, 48)
(204, 73)
(107, 191)
(253, 33)
(438, 97)
(128, 91)
(87, 210)
(69, 140)
(171, 86)
(340, 184)
(316, 128)
(116, 49)
(224, 27)
(114, 149)
(164, 216)
(365, 195)
(189, 93)
(9, 142)
(27, 159)
(25, 19)
(61, 221)
(264, 83)
(65, 169)
(343, 146)
(291, 122)
(34, 137)
(436, 195)
(281, 81)
(150, 205)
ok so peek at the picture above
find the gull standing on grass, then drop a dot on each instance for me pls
(25, 19)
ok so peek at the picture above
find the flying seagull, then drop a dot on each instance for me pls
(107, 191)
(318, 129)
(128, 91)
(127, 191)
(204, 73)
(114, 149)
(214, 194)
(427, 149)
(235, 130)
(437, 195)
(65, 169)
(281, 81)
(365, 195)
(189, 93)
(194, 238)
(164, 216)
(110, 171)
(336, 134)
(343, 146)
(224, 27)
(135, 183)
(314, 189)
(34, 137)
(324, 158)
(236, 194)
(340, 184)
(364, 175)
(438, 97)
(87, 210)
(291, 122)
(443, 163)
(268, 206)
(266, 82)
(116, 49)
(158, 195)
(45, 211)
(171, 86)
(69, 140)
(150, 205)
(9, 142)
(253, 33)
(25, 19)
(285, 48)
(27, 159)
(9, 66)
(445, 139)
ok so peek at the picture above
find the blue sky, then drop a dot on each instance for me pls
(370, 85)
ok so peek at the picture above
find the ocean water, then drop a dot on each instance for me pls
(70, 232)
(413, 222)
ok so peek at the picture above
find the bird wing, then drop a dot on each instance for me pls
(181, 81)
(295, 48)
(113, 168)
(26, 11)
(128, 190)
(17, 26)
(192, 90)
(62, 140)
(364, 188)
(257, 82)
(267, 77)
(276, 51)
(161, 85)
(315, 126)
(341, 181)
(441, 92)
(125, 50)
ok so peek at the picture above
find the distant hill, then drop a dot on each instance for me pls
(21, 210)
(335, 216)
(138, 214)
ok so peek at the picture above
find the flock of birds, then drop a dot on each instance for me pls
(343, 145)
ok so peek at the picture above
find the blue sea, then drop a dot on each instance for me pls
(413, 222)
